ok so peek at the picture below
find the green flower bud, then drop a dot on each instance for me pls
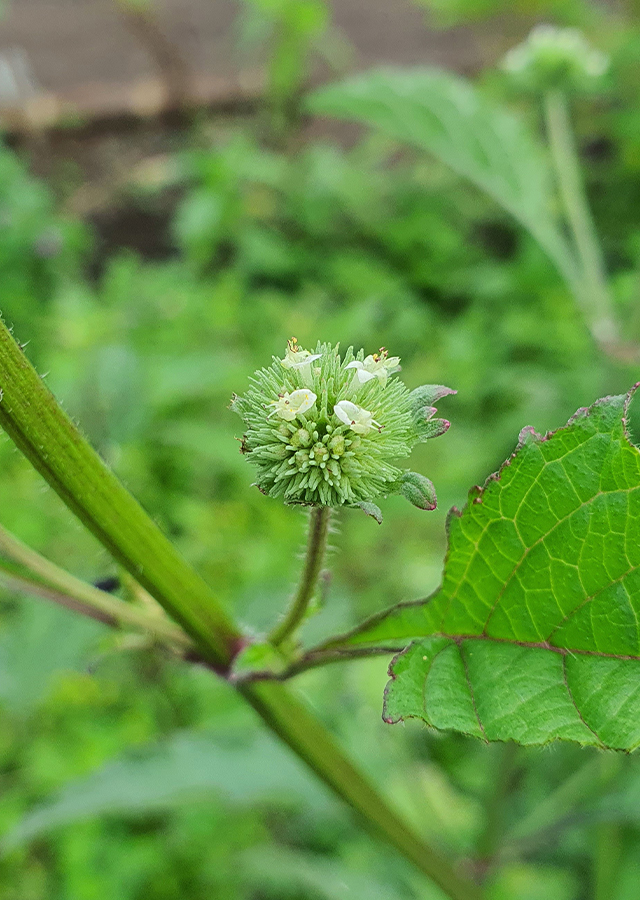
(319, 453)
(555, 58)
(301, 438)
(322, 430)
(418, 490)
(337, 445)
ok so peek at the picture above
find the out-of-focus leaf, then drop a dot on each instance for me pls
(595, 782)
(183, 769)
(190, 376)
(447, 116)
(276, 869)
(520, 881)
(40, 640)
(534, 634)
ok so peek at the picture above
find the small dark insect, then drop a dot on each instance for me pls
(109, 584)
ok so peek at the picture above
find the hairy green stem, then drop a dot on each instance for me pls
(595, 298)
(60, 586)
(316, 659)
(49, 439)
(316, 549)
(22, 584)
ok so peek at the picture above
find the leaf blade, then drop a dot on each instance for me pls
(534, 634)
(445, 115)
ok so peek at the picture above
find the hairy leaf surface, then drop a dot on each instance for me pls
(535, 632)
(446, 116)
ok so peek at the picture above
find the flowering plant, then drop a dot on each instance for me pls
(323, 430)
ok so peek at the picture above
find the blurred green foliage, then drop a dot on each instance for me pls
(371, 245)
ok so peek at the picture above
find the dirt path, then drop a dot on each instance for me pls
(62, 59)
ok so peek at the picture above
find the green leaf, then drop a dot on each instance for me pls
(535, 632)
(484, 143)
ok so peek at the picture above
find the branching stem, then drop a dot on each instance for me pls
(56, 584)
(49, 439)
(316, 549)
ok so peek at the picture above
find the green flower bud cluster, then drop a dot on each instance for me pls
(326, 431)
(555, 58)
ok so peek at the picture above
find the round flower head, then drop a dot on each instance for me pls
(326, 431)
(553, 58)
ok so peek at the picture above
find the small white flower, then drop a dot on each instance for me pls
(549, 50)
(296, 358)
(288, 406)
(376, 365)
(358, 419)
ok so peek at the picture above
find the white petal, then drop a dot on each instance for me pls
(346, 411)
(302, 400)
(306, 361)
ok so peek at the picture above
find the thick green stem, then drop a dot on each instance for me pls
(46, 435)
(60, 586)
(31, 416)
(595, 298)
(311, 741)
(316, 549)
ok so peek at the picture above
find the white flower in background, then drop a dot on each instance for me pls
(376, 365)
(296, 358)
(555, 58)
(289, 406)
(358, 419)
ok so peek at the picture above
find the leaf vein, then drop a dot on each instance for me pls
(471, 692)
(575, 705)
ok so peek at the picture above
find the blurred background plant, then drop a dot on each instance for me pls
(442, 232)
